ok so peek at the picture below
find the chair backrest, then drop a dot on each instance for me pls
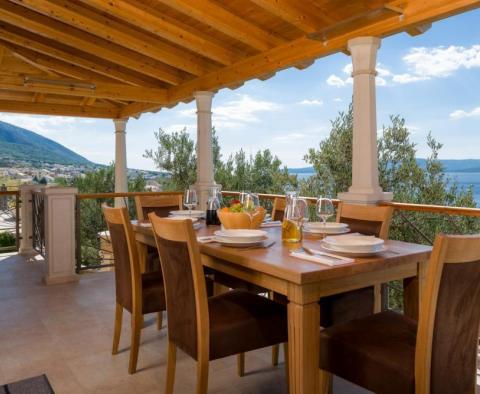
(160, 204)
(128, 283)
(278, 209)
(366, 219)
(447, 340)
(184, 281)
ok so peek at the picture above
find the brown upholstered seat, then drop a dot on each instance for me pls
(390, 353)
(354, 304)
(136, 292)
(376, 352)
(208, 328)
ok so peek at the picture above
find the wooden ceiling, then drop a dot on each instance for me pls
(119, 58)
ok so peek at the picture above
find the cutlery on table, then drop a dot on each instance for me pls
(314, 252)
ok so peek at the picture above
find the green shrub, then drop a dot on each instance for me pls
(7, 239)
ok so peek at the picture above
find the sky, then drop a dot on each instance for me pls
(432, 80)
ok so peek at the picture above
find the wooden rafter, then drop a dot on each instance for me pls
(49, 28)
(214, 15)
(44, 84)
(57, 109)
(304, 49)
(294, 13)
(81, 18)
(162, 27)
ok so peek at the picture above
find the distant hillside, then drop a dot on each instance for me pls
(465, 165)
(17, 144)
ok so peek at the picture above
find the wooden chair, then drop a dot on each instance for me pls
(278, 209)
(160, 204)
(208, 328)
(390, 353)
(136, 292)
(338, 308)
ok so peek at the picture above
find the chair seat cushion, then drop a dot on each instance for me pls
(375, 352)
(241, 321)
(153, 292)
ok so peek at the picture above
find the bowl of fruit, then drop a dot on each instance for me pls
(237, 216)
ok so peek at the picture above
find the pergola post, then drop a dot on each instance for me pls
(205, 172)
(365, 187)
(121, 183)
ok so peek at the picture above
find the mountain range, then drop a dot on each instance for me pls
(22, 145)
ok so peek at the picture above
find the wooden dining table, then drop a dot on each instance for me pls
(304, 283)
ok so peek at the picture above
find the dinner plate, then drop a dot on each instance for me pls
(354, 242)
(186, 212)
(353, 252)
(242, 236)
(329, 228)
(174, 217)
(237, 244)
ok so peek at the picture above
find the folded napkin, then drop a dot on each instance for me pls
(276, 223)
(322, 259)
(144, 224)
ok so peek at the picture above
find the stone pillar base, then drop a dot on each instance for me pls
(365, 198)
(57, 280)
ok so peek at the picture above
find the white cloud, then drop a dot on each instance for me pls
(348, 69)
(314, 102)
(337, 100)
(334, 80)
(42, 124)
(408, 78)
(460, 114)
(237, 112)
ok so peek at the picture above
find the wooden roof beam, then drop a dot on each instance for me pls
(57, 109)
(419, 29)
(166, 29)
(81, 18)
(98, 66)
(303, 48)
(56, 66)
(214, 15)
(292, 12)
(44, 84)
(49, 28)
(38, 98)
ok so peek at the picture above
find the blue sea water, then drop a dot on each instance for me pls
(464, 179)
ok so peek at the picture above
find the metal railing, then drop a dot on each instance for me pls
(93, 247)
(9, 221)
(38, 222)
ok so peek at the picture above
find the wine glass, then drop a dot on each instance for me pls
(250, 204)
(190, 200)
(325, 209)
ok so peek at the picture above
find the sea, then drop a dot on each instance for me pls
(464, 179)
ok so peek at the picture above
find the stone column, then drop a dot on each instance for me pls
(121, 182)
(365, 187)
(204, 147)
(26, 220)
(59, 235)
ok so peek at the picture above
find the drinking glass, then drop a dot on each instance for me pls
(325, 209)
(250, 204)
(190, 199)
(295, 212)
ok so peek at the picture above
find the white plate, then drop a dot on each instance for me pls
(242, 244)
(329, 225)
(186, 212)
(193, 219)
(356, 242)
(359, 253)
(325, 231)
(242, 235)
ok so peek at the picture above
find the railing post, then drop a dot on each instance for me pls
(60, 234)
(26, 217)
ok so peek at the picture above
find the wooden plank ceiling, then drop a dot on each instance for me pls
(119, 58)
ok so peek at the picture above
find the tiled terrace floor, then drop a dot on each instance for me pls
(65, 331)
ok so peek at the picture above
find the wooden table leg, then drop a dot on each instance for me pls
(304, 347)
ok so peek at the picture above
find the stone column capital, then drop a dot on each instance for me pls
(120, 125)
(204, 101)
(364, 54)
